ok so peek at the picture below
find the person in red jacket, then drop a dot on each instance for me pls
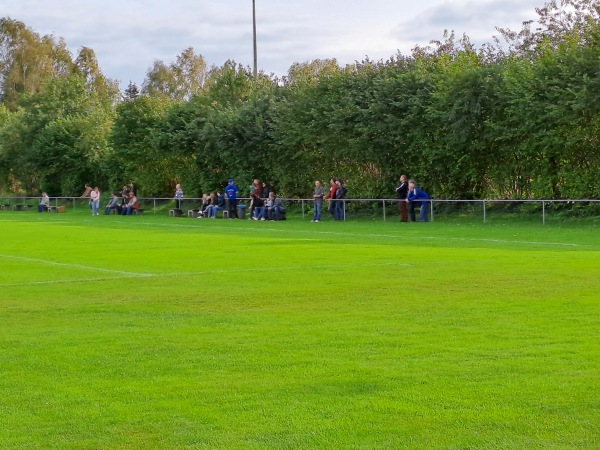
(331, 196)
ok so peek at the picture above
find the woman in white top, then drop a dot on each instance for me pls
(95, 201)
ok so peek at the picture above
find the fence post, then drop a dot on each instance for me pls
(302, 209)
(383, 201)
(483, 202)
(543, 212)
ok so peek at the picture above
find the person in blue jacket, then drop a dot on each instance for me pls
(231, 193)
(417, 197)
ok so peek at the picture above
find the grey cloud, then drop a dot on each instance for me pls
(475, 19)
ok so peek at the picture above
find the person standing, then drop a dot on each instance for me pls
(255, 196)
(95, 201)
(417, 197)
(331, 197)
(318, 195)
(178, 196)
(340, 204)
(231, 193)
(402, 193)
(87, 191)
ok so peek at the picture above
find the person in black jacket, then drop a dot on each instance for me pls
(402, 193)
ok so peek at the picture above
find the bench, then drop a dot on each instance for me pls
(4, 207)
(20, 207)
(194, 213)
(138, 212)
(175, 212)
(55, 209)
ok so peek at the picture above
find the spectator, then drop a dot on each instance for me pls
(178, 196)
(131, 205)
(219, 205)
(417, 197)
(340, 204)
(265, 191)
(231, 193)
(207, 200)
(95, 201)
(124, 196)
(113, 203)
(318, 195)
(87, 191)
(44, 203)
(331, 196)
(402, 193)
(261, 213)
(275, 212)
(256, 190)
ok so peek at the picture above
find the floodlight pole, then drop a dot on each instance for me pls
(254, 35)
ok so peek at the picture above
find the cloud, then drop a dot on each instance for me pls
(476, 19)
(128, 36)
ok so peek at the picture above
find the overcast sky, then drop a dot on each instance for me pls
(129, 35)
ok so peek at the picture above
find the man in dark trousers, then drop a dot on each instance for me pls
(402, 193)
(231, 193)
(417, 197)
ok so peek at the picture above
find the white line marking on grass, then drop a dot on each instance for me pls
(77, 266)
(337, 233)
(280, 269)
(205, 272)
(77, 280)
(497, 241)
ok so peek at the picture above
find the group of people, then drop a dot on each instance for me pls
(123, 204)
(264, 204)
(411, 196)
(335, 196)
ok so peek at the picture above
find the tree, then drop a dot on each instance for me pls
(178, 81)
(27, 60)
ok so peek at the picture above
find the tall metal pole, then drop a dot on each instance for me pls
(254, 35)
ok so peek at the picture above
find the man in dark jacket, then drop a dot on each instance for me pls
(402, 193)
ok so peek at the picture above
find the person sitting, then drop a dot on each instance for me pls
(131, 205)
(217, 204)
(207, 201)
(261, 213)
(44, 203)
(113, 203)
(417, 197)
(277, 209)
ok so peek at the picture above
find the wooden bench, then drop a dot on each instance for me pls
(138, 212)
(55, 209)
(175, 212)
(20, 207)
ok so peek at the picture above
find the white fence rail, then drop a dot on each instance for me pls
(386, 208)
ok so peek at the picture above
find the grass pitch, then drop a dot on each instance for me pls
(156, 332)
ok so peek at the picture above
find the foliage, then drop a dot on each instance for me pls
(518, 118)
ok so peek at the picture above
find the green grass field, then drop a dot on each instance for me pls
(150, 332)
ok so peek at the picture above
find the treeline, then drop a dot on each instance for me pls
(515, 118)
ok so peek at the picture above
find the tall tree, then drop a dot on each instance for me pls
(179, 80)
(28, 60)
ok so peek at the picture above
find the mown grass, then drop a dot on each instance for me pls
(156, 332)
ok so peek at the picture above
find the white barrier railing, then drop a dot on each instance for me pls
(159, 203)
